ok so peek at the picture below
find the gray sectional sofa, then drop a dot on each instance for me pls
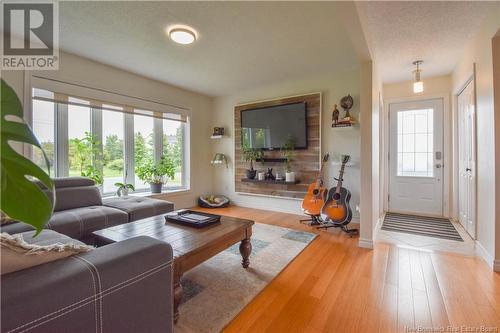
(80, 210)
(121, 287)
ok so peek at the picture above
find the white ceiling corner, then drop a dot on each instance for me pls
(400, 32)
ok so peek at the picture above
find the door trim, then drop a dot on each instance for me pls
(447, 144)
(456, 199)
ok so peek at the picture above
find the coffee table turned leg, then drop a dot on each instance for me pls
(245, 250)
(177, 297)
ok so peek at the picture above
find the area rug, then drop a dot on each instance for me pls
(421, 225)
(217, 290)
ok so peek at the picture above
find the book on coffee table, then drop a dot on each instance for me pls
(192, 218)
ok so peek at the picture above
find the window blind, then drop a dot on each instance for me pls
(46, 89)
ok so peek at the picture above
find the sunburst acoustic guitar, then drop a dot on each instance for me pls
(316, 193)
(336, 211)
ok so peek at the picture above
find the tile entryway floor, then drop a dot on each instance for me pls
(467, 247)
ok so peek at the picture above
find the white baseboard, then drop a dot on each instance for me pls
(487, 257)
(274, 208)
(365, 243)
(277, 208)
(496, 265)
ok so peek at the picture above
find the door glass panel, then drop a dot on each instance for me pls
(415, 143)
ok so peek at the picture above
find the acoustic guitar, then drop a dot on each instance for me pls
(336, 209)
(316, 193)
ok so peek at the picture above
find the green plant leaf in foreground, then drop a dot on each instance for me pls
(21, 199)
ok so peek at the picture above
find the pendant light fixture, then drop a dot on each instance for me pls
(418, 85)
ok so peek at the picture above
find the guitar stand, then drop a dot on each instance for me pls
(342, 227)
(313, 220)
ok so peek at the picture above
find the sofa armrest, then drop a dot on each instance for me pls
(121, 287)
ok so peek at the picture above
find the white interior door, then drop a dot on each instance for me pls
(467, 159)
(416, 157)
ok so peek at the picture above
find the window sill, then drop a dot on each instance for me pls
(165, 193)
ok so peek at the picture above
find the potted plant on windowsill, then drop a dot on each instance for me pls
(288, 152)
(156, 173)
(123, 188)
(249, 155)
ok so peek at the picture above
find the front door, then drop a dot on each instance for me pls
(416, 157)
(467, 159)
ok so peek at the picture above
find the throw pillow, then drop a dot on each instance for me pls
(5, 219)
(16, 254)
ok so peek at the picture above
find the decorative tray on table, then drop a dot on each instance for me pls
(192, 218)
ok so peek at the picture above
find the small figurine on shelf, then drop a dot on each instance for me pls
(346, 103)
(269, 174)
(335, 115)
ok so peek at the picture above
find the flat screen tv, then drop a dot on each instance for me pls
(269, 128)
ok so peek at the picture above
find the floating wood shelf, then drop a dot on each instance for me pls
(343, 125)
(273, 160)
(281, 182)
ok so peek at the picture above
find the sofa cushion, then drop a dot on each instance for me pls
(78, 196)
(80, 222)
(68, 182)
(139, 207)
(21, 251)
(16, 228)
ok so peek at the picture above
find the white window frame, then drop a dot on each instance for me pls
(61, 145)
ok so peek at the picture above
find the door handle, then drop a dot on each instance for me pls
(468, 169)
(438, 166)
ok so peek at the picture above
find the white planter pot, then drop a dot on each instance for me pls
(123, 192)
(290, 176)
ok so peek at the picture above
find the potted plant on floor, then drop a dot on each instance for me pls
(288, 152)
(249, 155)
(156, 173)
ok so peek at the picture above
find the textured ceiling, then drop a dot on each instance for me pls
(241, 45)
(436, 32)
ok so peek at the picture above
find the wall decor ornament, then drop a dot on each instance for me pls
(218, 131)
(269, 174)
(346, 103)
(219, 158)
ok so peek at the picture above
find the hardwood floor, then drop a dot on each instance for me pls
(335, 286)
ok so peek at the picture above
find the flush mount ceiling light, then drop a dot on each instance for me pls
(418, 85)
(182, 34)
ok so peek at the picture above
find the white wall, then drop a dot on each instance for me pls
(479, 51)
(340, 140)
(377, 149)
(432, 86)
(370, 173)
(78, 70)
(496, 86)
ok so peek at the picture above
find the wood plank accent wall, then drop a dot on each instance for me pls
(306, 162)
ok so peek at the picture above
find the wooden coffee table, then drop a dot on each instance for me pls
(191, 246)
